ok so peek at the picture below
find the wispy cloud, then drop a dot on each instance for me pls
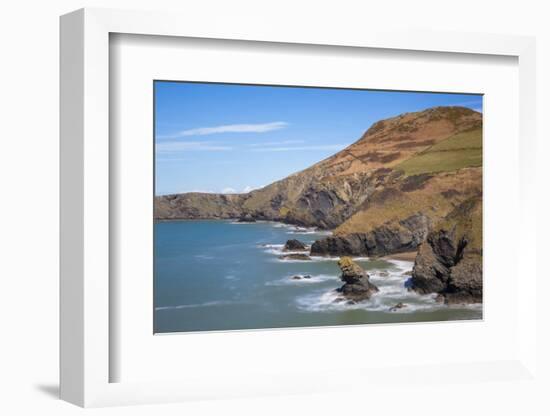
(332, 147)
(228, 128)
(230, 190)
(174, 146)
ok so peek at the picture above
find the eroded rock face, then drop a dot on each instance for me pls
(393, 237)
(357, 285)
(246, 218)
(450, 261)
(348, 245)
(294, 245)
(329, 193)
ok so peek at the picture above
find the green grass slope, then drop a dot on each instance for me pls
(458, 151)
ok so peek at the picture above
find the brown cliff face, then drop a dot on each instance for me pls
(196, 205)
(449, 262)
(372, 183)
(410, 183)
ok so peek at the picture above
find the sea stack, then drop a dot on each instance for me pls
(357, 285)
(294, 245)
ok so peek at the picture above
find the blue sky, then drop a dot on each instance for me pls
(234, 138)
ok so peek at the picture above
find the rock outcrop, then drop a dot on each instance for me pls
(246, 218)
(357, 285)
(398, 306)
(294, 245)
(381, 195)
(362, 178)
(300, 276)
(450, 261)
(197, 205)
(392, 237)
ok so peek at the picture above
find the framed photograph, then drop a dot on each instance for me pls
(239, 207)
(256, 228)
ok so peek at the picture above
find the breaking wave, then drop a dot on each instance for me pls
(392, 286)
(331, 300)
(288, 280)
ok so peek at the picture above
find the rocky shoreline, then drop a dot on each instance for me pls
(411, 183)
(447, 257)
(389, 238)
(447, 262)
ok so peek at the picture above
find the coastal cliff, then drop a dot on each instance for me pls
(449, 262)
(392, 162)
(403, 186)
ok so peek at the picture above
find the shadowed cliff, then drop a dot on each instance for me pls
(404, 174)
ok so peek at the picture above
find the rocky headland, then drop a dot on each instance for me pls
(410, 183)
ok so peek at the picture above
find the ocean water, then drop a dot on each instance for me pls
(223, 275)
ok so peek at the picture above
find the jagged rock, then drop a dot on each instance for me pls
(450, 261)
(246, 218)
(299, 277)
(294, 245)
(466, 282)
(429, 274)
(398, 306)
(349, 245)
(361, 177)
(295, 256)
(390, 238)
(357, 285)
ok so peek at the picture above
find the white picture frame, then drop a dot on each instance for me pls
(86, 355)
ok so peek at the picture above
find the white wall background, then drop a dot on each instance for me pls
(29, 208)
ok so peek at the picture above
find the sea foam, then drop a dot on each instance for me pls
(288, 280)
(392, 290)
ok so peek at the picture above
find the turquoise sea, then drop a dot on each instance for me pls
(224, 275)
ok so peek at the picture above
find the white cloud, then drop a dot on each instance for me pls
(229, 128)
(248, 189)
(333, 147)
(170, 147)
(229, 191)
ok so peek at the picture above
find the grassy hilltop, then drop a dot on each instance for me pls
(459, 151)
(410, 183)
(425, 162)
